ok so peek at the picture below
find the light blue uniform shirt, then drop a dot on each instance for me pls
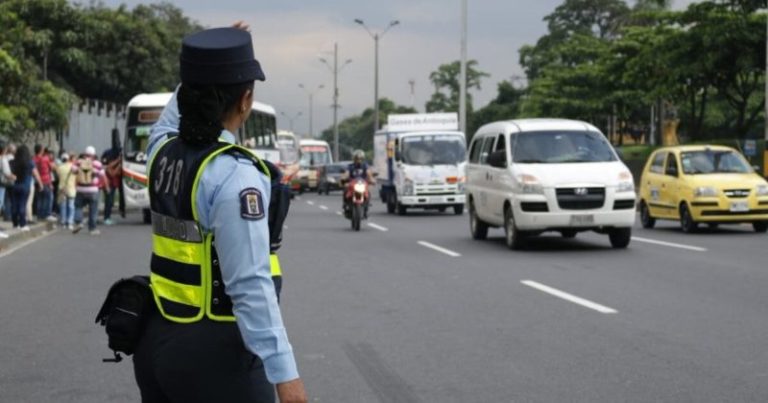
(243, 249)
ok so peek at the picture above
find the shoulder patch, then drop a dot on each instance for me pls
(251, 204)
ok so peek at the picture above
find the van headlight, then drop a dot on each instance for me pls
(762, 190)
(626, 184)
(705, 191)
(529, 184)
(408, 187)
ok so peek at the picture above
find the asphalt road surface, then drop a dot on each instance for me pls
(411, 309)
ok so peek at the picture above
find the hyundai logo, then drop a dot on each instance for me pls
(581, 191)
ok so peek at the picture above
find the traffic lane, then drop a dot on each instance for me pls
(51, 290)
(482, 324)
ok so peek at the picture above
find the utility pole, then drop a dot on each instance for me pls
(412, 84)
(290, 119)
(463, 75)
(311, 94)
(376, 36)
(765, 145)
(335, 69)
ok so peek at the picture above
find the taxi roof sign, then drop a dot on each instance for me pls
(423, 122)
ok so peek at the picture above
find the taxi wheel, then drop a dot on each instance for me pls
(760, 226)
(620, 237)
(514, 238)
(645, 216)
(687, 223)
(478, 228)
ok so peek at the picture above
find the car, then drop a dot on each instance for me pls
(702, 184)
(329, 177)
(530, 176)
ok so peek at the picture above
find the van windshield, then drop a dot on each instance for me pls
(434, 149)
(712, 162)
(559, 147)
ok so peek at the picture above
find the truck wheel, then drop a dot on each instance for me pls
(442, 209)
(514, 238)
(401, 209)
(477, 227)
(645, 216)
(568, 234)
(391, 203)
(760, 227)
(146, 216)
(686, 220)
(458, 209)
(620, 237)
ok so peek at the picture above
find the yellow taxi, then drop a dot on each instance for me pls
(702, 184)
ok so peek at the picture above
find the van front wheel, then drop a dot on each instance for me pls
(514, 238)
(478, 228)
(620, 237)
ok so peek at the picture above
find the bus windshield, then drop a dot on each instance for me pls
(315, 155)
(434, 149)
(139, 126)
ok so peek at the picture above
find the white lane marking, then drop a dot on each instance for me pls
(323, 207)
(338, 213)
(670, 244)
(285, 226)
(569, 297)
(26, 243)
(439, 249)
(378, 227)
(310, 202)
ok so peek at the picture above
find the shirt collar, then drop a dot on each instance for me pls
(227, 136)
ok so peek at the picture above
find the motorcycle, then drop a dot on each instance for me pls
(356, 198)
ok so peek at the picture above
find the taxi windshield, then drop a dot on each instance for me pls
(557, 147)
(713, 162)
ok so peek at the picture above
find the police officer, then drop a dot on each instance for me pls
(217, 335)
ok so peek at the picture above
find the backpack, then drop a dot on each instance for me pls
(124, 314)
(85, 172)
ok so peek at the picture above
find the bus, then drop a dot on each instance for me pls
(313, 154)
(257, 134)
(288, 145)
(142, 112)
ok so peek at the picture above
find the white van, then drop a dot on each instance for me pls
(535, 175)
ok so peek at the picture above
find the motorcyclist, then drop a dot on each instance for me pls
(358, 169)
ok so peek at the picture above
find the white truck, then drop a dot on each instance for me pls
(420, 161)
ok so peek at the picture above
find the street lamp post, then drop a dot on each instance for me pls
(376, 36)
(463, 74)
(291, 119)
(311, 94)
(335, 69)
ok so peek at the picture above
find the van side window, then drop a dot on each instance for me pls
(487, 147)
(657, 166)
(500, 143)
(474, 151)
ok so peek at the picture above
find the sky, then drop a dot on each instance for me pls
(290, 36)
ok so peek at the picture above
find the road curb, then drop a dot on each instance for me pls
(16, 237)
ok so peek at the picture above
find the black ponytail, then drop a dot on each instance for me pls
(202, 108)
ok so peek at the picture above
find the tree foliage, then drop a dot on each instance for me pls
(446, 81)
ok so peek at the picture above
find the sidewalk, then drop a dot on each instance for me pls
(16, 236)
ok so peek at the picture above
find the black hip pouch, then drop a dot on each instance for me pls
(124, 314)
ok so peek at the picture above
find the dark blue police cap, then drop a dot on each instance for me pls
(219, 56)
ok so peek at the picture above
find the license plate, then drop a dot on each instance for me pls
(582, 219)
(739, 207)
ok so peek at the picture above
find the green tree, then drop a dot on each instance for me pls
(505, 106)
(446, 81)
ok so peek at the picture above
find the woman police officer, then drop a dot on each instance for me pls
(218, 334)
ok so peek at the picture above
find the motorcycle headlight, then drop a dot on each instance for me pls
(762, 190)
(359, 187)
(530, 184)
(408, 187)
(705, 191)
(331, 179)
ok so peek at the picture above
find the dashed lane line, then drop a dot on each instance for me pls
(323, 207)
(669, 244)
(310, 202)
(439, 249)
(570, 297)
(378, 227)
(338, 213)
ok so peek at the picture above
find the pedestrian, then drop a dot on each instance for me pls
(23, 167)
(6, 179)
(112, 161)
(44, 193)
(203, 188)
(66, 193)
(89, 178)
(54, 205)
(5, 165)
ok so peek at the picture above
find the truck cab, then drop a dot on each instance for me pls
(420, 160)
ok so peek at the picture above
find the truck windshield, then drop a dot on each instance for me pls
(434, 149)
(558, 147)
(713, 162)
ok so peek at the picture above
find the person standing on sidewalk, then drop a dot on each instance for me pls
(45, 191)
(7, 178)
(66, 192)
(89, 175)
(112, 160)
(23, 167)
(5, 166)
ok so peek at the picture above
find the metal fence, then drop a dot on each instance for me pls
(91, 124)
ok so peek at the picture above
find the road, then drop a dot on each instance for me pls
(411, 309)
